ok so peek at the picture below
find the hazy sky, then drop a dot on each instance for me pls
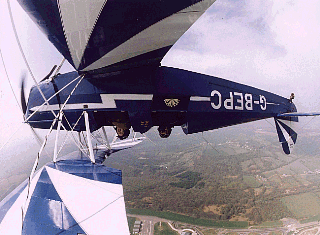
(272, 45)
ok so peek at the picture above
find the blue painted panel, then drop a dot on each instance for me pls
(69, 225)
(45, 189)
(198, 122)
(34, 228)
(88, 170)
(43, 212)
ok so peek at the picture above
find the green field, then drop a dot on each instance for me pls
(188, 219)
(164, 229)
(303, 205)
(311, 219)
(269, 224)
(251, 181)
(210, 232)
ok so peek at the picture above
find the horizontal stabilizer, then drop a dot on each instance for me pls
(298, 114)
(287, 136)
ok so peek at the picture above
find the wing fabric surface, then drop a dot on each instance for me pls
(101, 35)
(67, 197)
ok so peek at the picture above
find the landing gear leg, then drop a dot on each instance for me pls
(86, 119)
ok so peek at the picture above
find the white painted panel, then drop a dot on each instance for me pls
(199, 98)
(98, 207)
(108, 101)
(162, 34)
(78, 19)
(12, 222)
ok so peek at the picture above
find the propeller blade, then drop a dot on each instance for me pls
(22, 96)
(49, 74)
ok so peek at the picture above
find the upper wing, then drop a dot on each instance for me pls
(114, 34)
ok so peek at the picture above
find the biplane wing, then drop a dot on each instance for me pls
(111, 35)
(70, 196)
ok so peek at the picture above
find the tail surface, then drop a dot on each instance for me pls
(287, 136)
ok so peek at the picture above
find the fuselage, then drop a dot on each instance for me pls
(153, 96)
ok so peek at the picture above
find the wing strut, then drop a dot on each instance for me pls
(106, 137)
(91, 155)
(55, 152)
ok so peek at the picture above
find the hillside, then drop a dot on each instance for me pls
(235, 173)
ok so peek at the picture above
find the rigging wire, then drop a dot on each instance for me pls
(9, 139)
(43, 145)
(269, 123)
(67, 137)
(210, 144)
(144, 134)
(22, 53)
(54, 95)
(26, 62)
(6, 72)
(35, 165)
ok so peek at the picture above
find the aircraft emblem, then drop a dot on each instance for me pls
(171, 102)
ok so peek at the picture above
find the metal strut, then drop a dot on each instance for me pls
(55, 152)
(106, 137)
(86, 119)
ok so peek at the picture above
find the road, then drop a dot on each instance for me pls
(290, 226)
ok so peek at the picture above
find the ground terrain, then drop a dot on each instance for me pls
(233, 174)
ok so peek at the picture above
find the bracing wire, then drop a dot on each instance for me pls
(6, 72)
(149, 139)
(4, 66)
(65, 140)
(301, 128)
(29, 69)
(54, 95)
(209, 144)
(9, 139)
(22, 53)
(44, 143)
(269, 123)
(25, 59)
(35, 165)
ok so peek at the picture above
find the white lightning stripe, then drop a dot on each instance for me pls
(79, 18)
(273, 103)
(199, 98)
(108, 101)
(159, 35)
